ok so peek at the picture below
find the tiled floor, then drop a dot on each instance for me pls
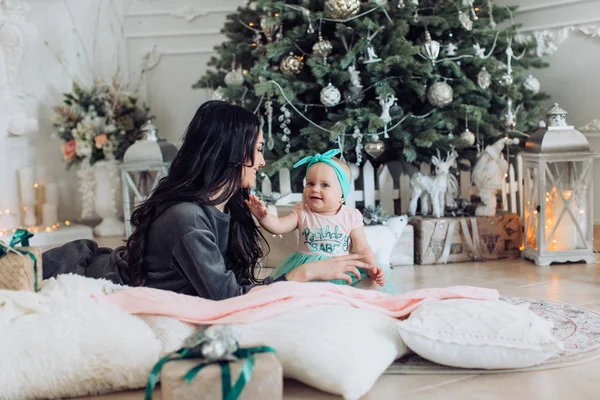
(574, 283)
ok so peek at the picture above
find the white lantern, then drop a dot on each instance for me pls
(144, 164)
(557, 199)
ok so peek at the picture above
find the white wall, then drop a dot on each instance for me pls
(178, 35)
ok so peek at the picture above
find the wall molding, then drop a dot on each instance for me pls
(151, 57)
(592, 127)
(207, 32)
(547, 38)
(556, 4)
(189, 13)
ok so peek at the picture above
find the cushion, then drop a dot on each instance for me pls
(479, 334)
(61, 342)
(336, 349)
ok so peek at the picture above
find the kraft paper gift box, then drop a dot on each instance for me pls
(266, 382)
(17, 271)
(462, 239)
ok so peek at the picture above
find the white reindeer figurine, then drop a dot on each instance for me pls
(424, 186)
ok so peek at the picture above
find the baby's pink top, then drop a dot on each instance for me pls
(327, 235)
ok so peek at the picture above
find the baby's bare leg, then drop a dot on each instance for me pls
(367, 284)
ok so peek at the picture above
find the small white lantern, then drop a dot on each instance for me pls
(557, 199)
(144, 164)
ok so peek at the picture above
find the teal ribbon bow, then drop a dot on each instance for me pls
(328, 159)
(230, 392)
(22, 236)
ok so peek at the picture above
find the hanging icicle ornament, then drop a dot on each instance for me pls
(484, 79)
(431, 48)
(342, 9)
(284, 119)
(532, 84)
(491, 14)
(330, 96)
(358, 136)
(386, 101)
(322, 48)
(235, 77)
(269, 26)
(465, 21)
(269, 110)
(440, 94)
(291, 63)
(375, 147)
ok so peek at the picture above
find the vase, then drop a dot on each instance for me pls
(106, 175)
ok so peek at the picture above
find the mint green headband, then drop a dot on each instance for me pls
(328, 159)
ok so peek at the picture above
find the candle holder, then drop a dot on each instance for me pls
(556, 171)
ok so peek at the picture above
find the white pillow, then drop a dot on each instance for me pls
(61, 342)
(479, 334)
(336, 349)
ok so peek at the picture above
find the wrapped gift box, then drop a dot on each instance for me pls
(461, 239)
(266, 382)
(16, 270)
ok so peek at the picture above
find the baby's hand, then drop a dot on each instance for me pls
(377, 275)
(257, 207)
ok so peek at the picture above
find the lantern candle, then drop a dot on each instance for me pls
(565, 236)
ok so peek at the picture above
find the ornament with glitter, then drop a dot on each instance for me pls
(431, 48)
(532, 84)
(440, 94)
(358, 136)
(291, 63)
(322, 48)
(484, 79)
(330, 96)
(284, 119)
(342, 9)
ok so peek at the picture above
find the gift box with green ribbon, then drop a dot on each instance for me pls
(20, 265)
(210, 365)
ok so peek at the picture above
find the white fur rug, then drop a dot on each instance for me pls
(60, 342)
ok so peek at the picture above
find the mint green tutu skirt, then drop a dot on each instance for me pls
(295, 260)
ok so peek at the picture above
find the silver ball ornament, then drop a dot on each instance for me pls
(484, 79)
(235, 77)
(330, 96)
(532, 84)
(468, 137)
(440, 94)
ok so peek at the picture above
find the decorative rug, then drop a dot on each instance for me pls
(577, 327)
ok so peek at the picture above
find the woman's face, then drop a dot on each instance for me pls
(250, 171)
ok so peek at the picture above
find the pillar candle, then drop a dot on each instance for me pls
(26, 183)
(49, 214)
(565, 237)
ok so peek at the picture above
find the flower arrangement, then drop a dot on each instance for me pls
(99, 122)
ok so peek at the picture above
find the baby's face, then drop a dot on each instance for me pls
(322, 191)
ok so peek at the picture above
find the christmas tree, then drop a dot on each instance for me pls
(397, 79)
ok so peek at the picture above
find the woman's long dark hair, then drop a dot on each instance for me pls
(208, 168)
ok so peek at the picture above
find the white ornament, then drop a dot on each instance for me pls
(440, 94)
(451, 49)
(359, 146)
(532, 84)
(465, 21)
(386, 102)
(484, 79)
(218, 94)
(479, 51)
(235, 77)
(468, 137)
(489, 176)
(431, 47)
(330, 96)
(371, 56)
(426, 187)
(354, 77)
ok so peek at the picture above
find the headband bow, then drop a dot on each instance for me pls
(328, 159)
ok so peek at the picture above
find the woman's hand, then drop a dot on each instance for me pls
(331, 269)
(257, 207)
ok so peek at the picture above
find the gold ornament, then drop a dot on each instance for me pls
(291, 63)
(375, 148)
(342, 9)
(322, 48)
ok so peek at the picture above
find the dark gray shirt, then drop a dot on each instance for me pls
(186, 252)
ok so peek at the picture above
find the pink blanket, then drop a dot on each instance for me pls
(267, 301)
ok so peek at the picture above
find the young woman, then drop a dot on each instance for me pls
(195, 234)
